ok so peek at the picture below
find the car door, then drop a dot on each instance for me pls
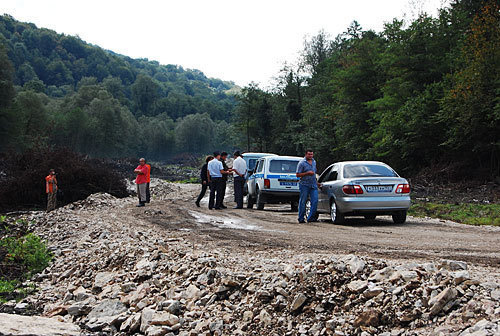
(328, 180)
(251, 179)
(321, 194)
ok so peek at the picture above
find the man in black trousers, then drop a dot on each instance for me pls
(239, 171)
(215, 171)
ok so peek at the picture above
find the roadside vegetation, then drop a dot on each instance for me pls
(22, 254)
(467, 213)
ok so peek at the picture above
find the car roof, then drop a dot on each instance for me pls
(285, 157)
(257, 154)
(361, 162)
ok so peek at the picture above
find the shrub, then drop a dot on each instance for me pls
(28, 250)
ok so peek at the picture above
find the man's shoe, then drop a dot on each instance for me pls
(238, 208)
(312, 221)
(217, 209)
(223, 207)
(140, 205)
(302, 221)
(197, 204)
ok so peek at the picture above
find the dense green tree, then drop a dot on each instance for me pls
(195, 133)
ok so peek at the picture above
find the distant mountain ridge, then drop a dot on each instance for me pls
(60, 62)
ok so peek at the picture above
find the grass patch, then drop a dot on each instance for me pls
(468, 213)
(192, 180)
(22, 254)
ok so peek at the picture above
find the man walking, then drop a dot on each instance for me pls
(215, 171)
(51, 190)
(204, 180)
(308, 186)
(239, 171)
(141, 181)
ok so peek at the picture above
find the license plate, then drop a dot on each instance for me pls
(288, 183)
(378, 188)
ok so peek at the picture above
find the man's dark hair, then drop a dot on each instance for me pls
(209, 158)
(223, 154)
(237, 153)
(309, 151)
(216, 153)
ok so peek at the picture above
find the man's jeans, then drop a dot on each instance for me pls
(305, 193)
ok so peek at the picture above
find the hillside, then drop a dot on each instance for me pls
(62, 81)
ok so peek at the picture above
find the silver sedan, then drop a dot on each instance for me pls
(363, 188)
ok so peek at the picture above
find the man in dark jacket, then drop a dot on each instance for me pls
(223, 157)
(204, 180)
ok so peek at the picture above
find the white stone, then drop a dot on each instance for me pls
(34, 325)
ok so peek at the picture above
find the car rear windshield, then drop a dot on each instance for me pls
(283, 166)
(368, 170)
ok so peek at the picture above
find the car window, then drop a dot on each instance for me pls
(324, 175)
(251, 164)
(260, 166)
(368, 170)
(283, 166)
(332, 176)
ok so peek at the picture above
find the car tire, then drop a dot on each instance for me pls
(370, 217)
(250, 202)
(335, 214)
(399, 217)
(259, 201)
(294, 206)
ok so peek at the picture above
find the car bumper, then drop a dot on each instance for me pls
(272, 196)
(375, 205)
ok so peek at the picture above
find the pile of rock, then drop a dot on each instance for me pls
(116, 276)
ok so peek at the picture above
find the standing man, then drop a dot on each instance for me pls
(308, 186)
(239, 171)
(223, 157)
(141, 181)
(148, 181)
(215, 172)
(51, 190)
(204, 180)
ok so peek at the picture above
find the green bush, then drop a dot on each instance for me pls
(473, 214)
(28, 250)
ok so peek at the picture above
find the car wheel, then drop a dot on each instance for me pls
(294, 206)
(335, 215)
(250, 201)
(260, 203)
(370, 217)
(399, 217)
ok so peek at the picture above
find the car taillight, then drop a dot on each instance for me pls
(403, 189)
(352, 189)
(267, 183)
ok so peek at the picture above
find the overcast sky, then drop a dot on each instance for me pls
(242, 41)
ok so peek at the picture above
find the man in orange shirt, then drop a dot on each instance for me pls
(148, 180)
(51, 190)
(140, 181)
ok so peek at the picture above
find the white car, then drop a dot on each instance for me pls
(274, 180)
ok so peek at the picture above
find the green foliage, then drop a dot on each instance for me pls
(70, 93)
(417, 94)
(474, 214)
(28, 250)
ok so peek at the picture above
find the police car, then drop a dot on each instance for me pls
(273, 180)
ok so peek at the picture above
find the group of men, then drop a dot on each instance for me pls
(215, 173)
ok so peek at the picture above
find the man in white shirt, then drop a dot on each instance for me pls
(239, 171)
(215, 171)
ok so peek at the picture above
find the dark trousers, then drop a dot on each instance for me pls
(216, 195)
(223, 189)
(238, 190)
(148, 194)
(204, 187)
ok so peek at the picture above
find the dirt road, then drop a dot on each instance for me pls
(276, 227)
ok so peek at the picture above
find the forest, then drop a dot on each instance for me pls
(421, 94)
(58, 91)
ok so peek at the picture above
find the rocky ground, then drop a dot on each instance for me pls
(173, 269)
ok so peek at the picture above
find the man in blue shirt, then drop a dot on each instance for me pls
(215, 171)
(308, 186)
